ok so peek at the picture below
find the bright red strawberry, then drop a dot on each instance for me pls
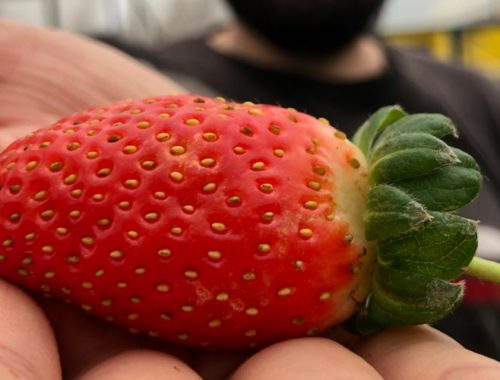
(189, 218)
(196, 220)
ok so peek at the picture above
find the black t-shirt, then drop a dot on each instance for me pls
(417, 82)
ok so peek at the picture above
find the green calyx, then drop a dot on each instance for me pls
(417, 181)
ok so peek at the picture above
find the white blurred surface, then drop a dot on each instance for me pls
(423, 15)
(489, 242)
(152, 21)
(143, 21)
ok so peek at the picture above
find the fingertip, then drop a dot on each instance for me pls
(141, 364)
(305, 358)
(422, 352)
(27, 345)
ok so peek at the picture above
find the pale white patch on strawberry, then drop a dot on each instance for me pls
(349, 193)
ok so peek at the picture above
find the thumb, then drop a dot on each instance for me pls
(27, 346)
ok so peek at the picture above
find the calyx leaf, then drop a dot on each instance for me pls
(391, 212)
(403, 298)
(417, 179)
(453, 187)
(428, 123)
(410, 163)
(368, 132)
(440, 249)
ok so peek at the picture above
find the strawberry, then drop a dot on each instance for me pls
(211, 223)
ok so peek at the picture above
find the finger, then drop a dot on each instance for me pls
(306, 358)
(85, 341)
(422, 352)
(13, 131)
(143, 365)
(48, 74)
(27, 346)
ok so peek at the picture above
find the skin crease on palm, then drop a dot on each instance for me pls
(45, 75)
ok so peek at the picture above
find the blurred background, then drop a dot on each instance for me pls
(466, 32)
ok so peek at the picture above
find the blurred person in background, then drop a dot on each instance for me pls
(322, 57)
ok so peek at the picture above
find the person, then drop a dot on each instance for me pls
(48, 74)
(322, 57)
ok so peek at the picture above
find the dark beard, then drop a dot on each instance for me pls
(308, 27)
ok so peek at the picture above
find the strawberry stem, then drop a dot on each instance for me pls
(484, 269)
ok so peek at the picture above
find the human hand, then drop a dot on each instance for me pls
(90, 349)
(45, 75)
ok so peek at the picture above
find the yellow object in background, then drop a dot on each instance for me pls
(476, 48)
(481, 50)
